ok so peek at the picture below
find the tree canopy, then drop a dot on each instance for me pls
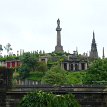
(97, 72)
(55, 75)
(29, 62)
(29, 59)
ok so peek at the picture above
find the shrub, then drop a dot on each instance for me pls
(44, 99)
(55, 76)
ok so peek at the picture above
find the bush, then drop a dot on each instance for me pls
(44, 99)
(55, 76)
(75, 77)
(42, 67)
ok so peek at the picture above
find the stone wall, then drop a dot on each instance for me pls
(86, 96)
(2, 98)
(85, 99)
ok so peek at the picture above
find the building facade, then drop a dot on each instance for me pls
(10, 64)
(75, 62)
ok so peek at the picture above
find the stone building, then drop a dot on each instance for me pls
(75, 62)
(10, 63)
(43, 59)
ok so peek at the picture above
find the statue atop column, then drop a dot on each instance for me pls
(58, 47)
(58, 23)
(58, 26)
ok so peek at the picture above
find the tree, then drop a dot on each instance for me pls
(97, 72)
(42, 67)
(44, 99)
(29, 60)
(23, 71)
(29, 63)
(8, 48)
(55, 75)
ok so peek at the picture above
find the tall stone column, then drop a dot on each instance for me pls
(85, 66)
(79, 66)
(73, 66)
(62, 65)
(58, 47)
(68, 66)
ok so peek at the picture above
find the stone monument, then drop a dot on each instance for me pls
(58, 47)
(93, 53)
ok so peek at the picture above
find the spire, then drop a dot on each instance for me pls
(103, 54)
(93, 35)
(93, 53)
(93, 41)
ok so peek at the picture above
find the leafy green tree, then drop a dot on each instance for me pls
(23, 71)
(75, 77)
(55, 76)
(44, 99)
(97, 72)
(29, 59)
(29, 63)
(42, 67)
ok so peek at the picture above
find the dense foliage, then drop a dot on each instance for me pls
(7, 58)
(42, 67)
(29, 59)
(23, 71)
(44, 99)
(35, 76)
(71, 77)
(75, 77)
(6, 75)
(55, 75)
(97, 72)
(29, 63)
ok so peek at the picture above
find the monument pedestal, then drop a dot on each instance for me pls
(59, 49)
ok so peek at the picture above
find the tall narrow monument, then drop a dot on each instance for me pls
(93, 53)
(58, 47)
(103, 54)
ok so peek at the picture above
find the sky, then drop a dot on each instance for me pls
(31, 24)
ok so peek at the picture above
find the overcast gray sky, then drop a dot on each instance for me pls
(31, 24)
